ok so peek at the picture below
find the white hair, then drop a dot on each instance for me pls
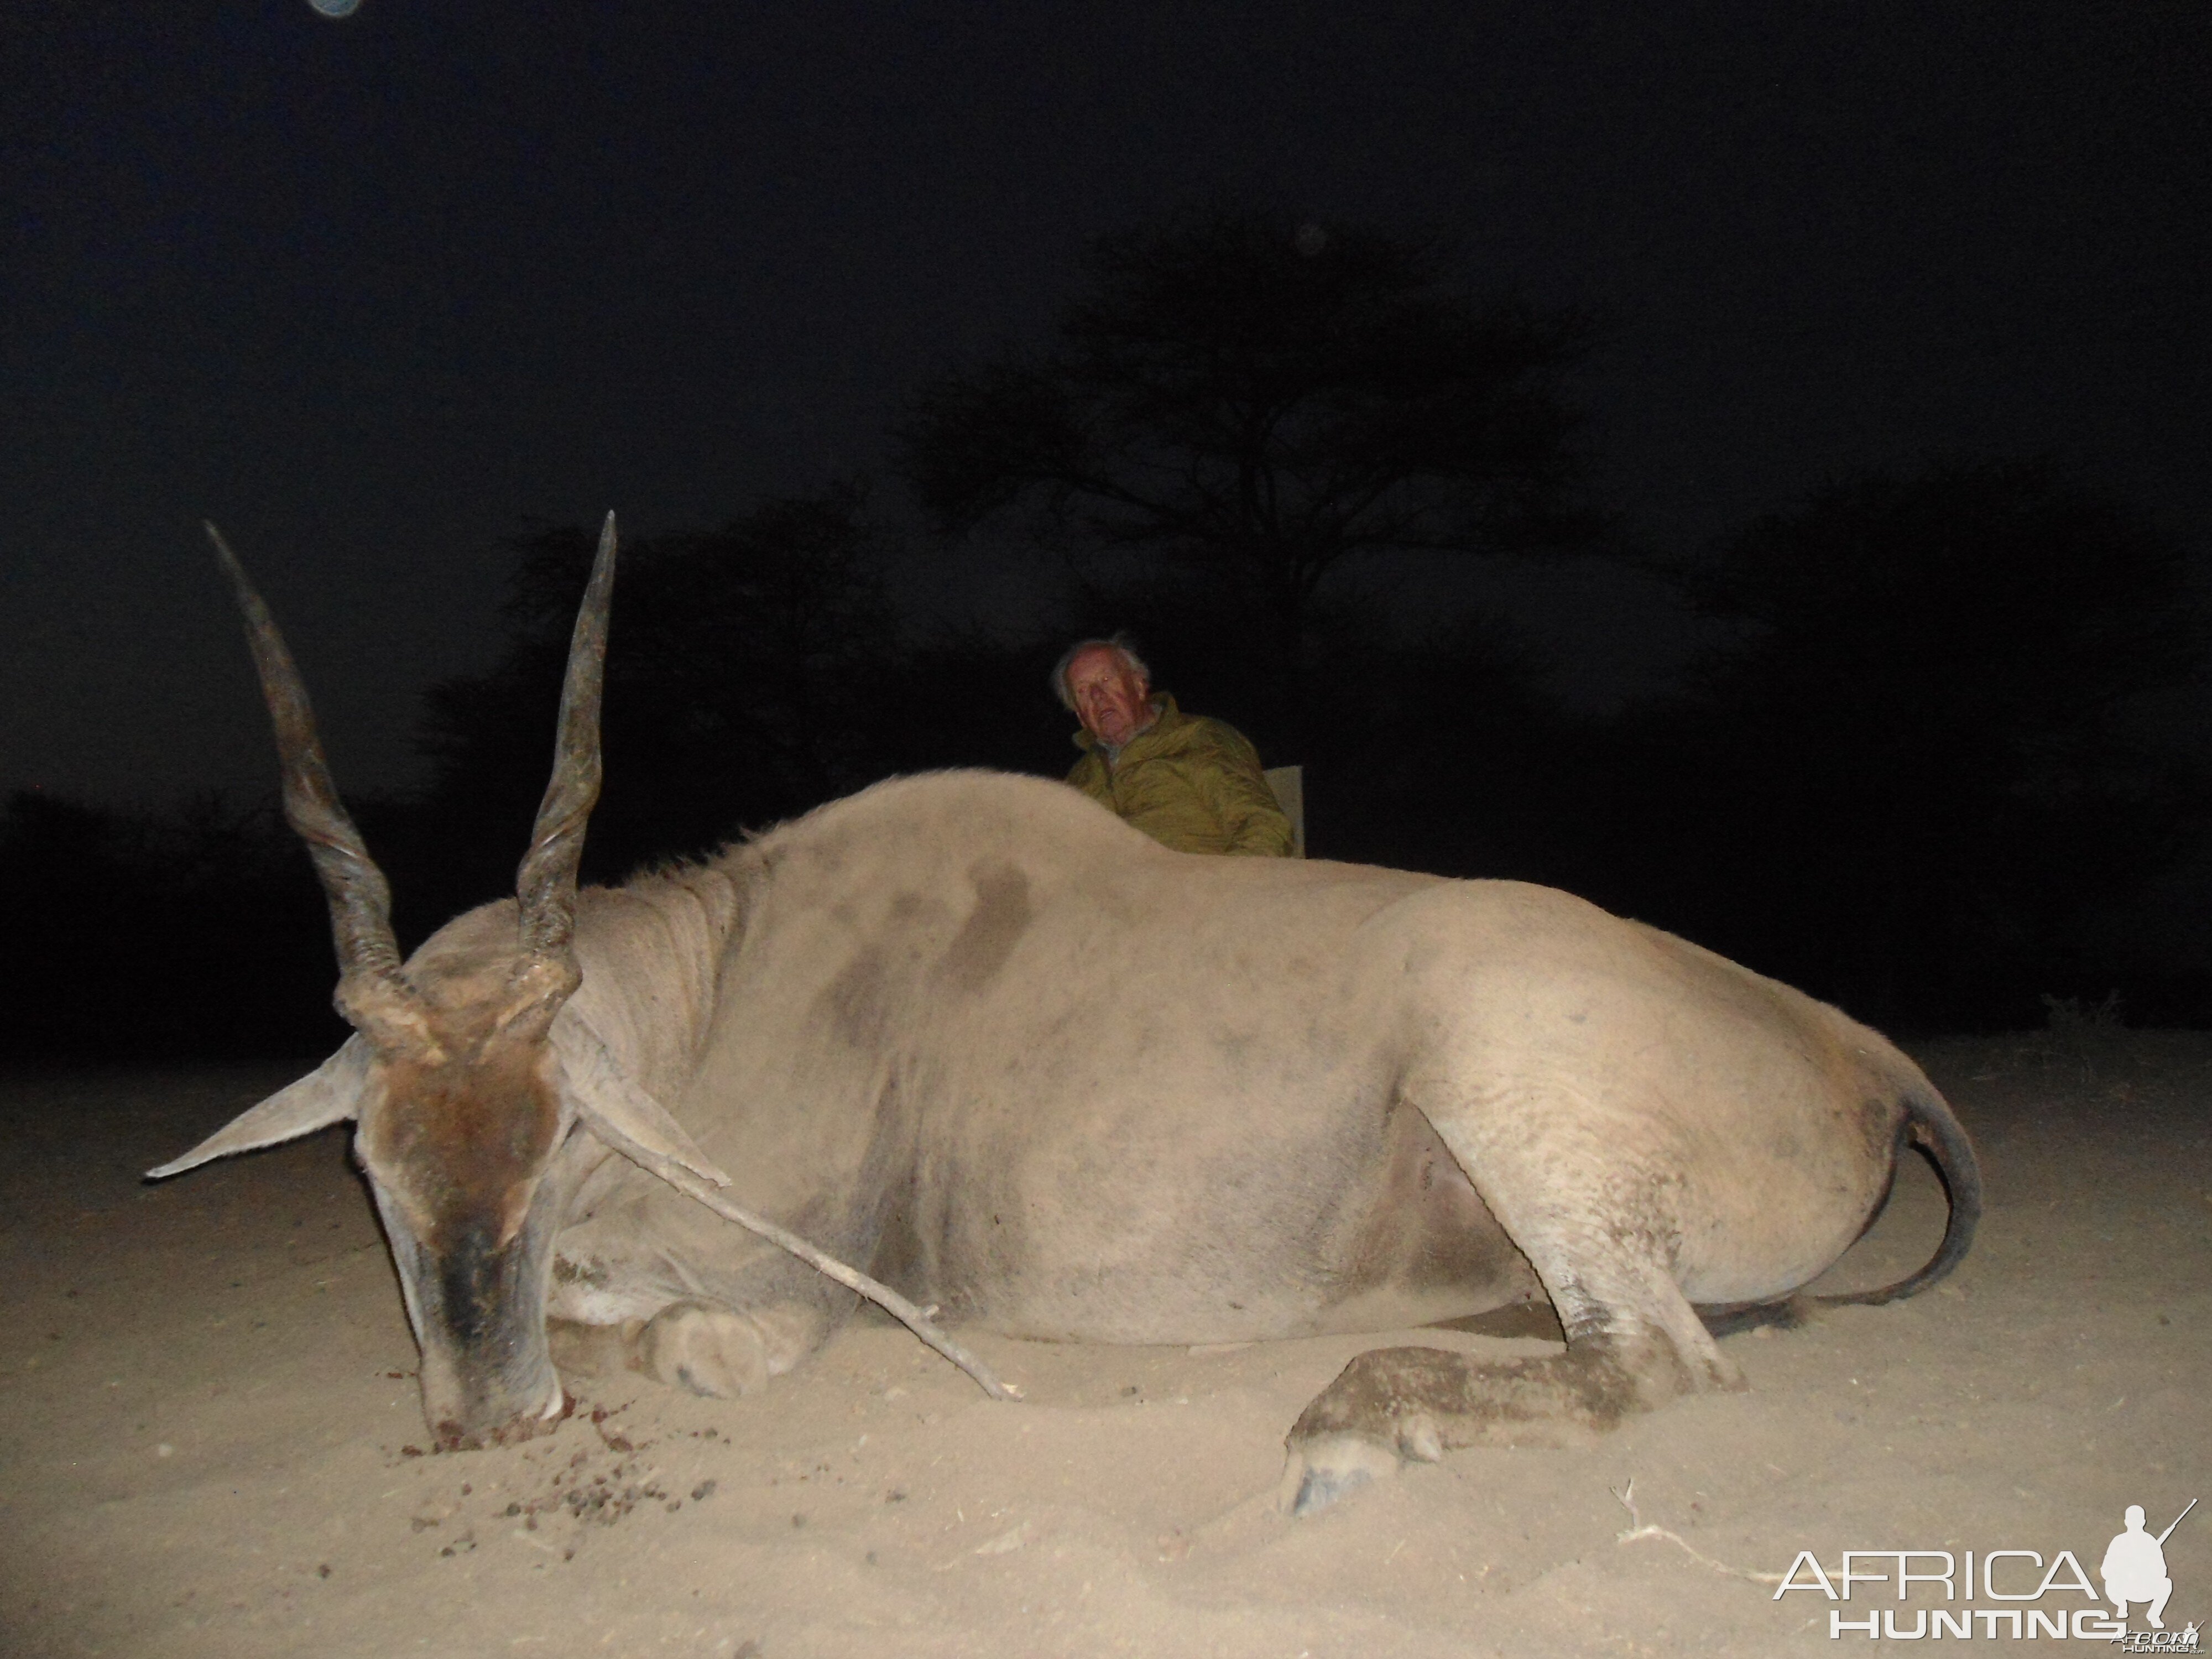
(1119, 643)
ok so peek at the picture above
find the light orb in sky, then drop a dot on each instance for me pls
(336, 8)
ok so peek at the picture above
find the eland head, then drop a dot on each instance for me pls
(463, 1092)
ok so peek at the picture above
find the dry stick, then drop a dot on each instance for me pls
(1642, 1529)
(882, 1295)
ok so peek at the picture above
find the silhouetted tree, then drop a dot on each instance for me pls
(1258, 402)
(744, 671)
(1917, 765)
(197, 935)
(80, 906)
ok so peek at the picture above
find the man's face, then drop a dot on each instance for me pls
(1111, 699)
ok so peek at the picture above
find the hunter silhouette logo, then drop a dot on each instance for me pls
(2133, 1570)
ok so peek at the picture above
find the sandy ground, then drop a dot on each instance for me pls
(208, 1424)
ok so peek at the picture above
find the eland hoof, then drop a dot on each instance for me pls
(710, 1351)
(1323, 1470)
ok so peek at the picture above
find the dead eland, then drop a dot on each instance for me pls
(973, 1034)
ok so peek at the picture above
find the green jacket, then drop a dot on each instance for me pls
(1189, 783)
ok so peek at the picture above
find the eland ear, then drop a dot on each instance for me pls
(595, 1086)
(329, 1094)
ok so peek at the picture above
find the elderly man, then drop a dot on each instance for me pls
(1190, 783)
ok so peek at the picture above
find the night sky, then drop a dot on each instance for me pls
(374, 292)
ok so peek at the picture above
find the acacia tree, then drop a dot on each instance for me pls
(1259, 403)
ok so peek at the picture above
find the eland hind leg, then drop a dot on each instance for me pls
(1598, 1231)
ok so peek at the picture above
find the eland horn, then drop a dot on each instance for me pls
(545, 882)
(372, 995)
